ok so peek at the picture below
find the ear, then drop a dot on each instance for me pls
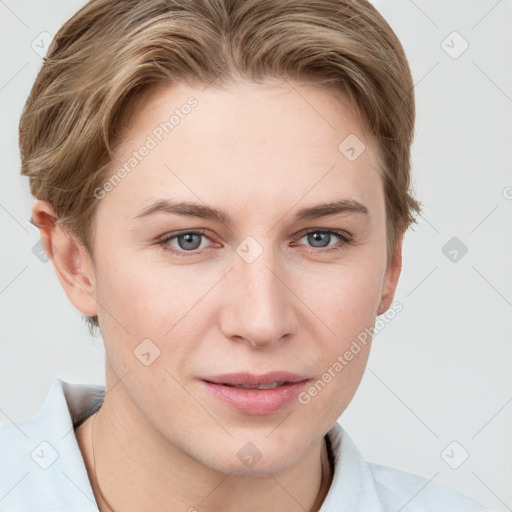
(392, 275)
(71, 260)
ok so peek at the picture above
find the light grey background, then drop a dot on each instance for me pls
(440, 371)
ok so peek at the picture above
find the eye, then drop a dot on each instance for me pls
(187, 242)
(321, 238)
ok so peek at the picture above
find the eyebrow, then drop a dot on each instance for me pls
(191, 209)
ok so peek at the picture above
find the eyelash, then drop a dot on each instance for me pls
(345, 239)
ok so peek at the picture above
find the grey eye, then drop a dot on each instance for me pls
(321, 238)
(191, 241)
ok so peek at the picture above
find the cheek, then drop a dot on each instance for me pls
(149, 298)
(345, 296)
(139, 289)
(344, 302)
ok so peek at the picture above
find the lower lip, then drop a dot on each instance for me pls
(256, 401)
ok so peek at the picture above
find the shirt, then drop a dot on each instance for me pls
(42, 468)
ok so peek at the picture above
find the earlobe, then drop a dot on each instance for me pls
(71, 260)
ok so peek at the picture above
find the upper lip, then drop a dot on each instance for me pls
(251, 379)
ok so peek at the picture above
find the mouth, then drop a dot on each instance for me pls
(273, 385)
(256, 394)
(246, 380)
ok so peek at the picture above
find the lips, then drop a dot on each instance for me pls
(240, 391)
(250, 380)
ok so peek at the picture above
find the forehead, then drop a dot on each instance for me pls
(270, 143)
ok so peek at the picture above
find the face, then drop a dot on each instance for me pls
(260, 286)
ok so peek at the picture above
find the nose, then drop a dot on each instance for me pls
(258, 309)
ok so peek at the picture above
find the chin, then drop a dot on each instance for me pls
(250, 459)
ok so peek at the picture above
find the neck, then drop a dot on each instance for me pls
(133, 468)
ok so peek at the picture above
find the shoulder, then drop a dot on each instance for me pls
(362, 486)
(41, 466)
(16, 443)
(415, 493)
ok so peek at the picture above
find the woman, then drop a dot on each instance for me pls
(223, 189)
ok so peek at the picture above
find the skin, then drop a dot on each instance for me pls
(260, 152)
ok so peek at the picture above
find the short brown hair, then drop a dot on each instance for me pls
(109, 52)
